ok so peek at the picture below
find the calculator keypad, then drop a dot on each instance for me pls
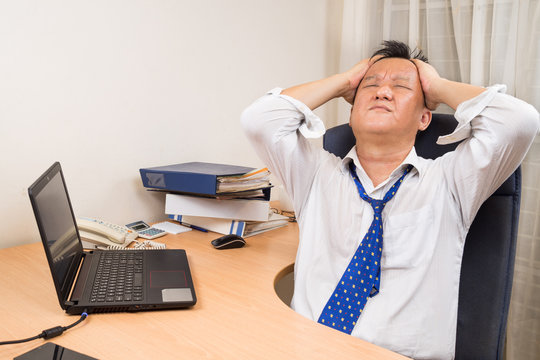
(151, 233)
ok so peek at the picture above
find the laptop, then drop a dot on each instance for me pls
(140, 280)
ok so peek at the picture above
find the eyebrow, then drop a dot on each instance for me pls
(397, 78)
(371, 77)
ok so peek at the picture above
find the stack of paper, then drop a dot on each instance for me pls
(241, 228)
(235, 209)
(227, 199)
(255, 179)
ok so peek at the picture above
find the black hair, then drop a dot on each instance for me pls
(398, 49)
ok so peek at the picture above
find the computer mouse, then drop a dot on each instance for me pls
(230, 241)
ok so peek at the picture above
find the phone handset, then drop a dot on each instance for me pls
(102, 233)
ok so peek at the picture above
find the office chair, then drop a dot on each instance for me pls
(488, 258)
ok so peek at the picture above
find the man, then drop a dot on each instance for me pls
(402, 295)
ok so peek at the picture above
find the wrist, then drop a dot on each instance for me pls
(436, 92)
(342, 84)
(453, 93)
(442, 86)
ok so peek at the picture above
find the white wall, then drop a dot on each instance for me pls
(107, 87)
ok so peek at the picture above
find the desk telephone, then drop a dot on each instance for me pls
(103, 233)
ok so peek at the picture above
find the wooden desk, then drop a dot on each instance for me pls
(237, 316)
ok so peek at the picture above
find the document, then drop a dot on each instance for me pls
(171, 228)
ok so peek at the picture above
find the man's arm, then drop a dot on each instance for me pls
(317, 93)
(500, 131)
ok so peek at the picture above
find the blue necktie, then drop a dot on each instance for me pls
(362, 277)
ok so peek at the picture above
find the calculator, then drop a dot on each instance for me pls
(145, 231)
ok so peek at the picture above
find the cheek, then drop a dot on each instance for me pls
(360, 98)
(359, 106)
(411, 102)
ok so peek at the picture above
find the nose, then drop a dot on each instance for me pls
(384, 93)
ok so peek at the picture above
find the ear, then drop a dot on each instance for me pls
(425, 119)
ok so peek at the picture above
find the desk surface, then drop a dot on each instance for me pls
(238, 315)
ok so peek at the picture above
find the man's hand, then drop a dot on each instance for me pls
(316, 93)
(431, 82)
(355, 76)
(439, 90)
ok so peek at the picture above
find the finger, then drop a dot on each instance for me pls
(419, 65)
(374, 59)
(366, 64)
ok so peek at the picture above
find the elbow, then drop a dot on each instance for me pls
(529, 123)
(249, 120)
(535, 119)
(526, 126)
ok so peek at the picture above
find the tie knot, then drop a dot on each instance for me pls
(377, 205)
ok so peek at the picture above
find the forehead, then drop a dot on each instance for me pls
(392, 68)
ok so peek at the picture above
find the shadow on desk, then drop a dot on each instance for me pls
(284, 284)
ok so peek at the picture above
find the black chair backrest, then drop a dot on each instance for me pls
(488, 258)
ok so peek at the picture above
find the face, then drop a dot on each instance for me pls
(390, 102)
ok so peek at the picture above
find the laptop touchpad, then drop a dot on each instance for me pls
(168, 279)
(169, 295)
(173, 285)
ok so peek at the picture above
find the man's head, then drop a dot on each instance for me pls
(389, 101)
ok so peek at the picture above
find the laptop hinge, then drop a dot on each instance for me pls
(80, 280)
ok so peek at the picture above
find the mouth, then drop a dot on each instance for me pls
(380, 108)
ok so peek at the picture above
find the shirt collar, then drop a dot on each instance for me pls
(411, 159)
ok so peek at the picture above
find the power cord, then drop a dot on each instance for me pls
(49, 333)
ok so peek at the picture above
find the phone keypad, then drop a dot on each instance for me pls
(118, 228)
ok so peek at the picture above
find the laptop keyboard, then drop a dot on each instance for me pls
(119, 277)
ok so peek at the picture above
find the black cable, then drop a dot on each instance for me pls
(49, 333)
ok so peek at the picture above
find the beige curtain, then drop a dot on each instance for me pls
(483, 43)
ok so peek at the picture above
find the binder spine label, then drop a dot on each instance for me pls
(237, 227)
(155, 180)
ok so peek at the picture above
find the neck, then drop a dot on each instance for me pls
(379, 162)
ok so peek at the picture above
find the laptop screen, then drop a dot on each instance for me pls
(56, 224)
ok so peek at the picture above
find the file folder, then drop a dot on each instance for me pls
(192, 177)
